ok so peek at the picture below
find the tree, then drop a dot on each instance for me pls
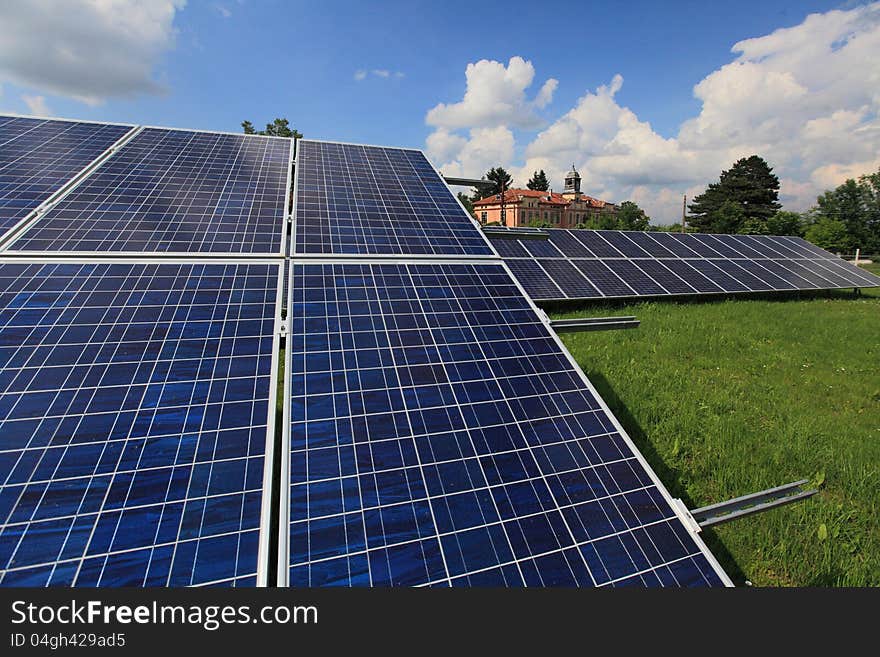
(496, 176)
(750, 185)
(538, 182)
(728, 218)
(754, 226)
(278, 128)
(785, 223)
(830, 234)
(857, 205)
(466, 202)
(631, 217)
(600, 221)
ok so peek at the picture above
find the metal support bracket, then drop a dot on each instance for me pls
(502, 233)
(467, 182)
(594, 324)
(739, 507)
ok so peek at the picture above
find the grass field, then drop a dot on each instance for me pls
(731, 396)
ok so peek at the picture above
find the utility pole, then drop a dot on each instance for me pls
(503, 213)
(684, 200)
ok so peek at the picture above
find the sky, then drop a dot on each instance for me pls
(648, 100)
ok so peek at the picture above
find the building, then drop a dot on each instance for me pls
(524, 207)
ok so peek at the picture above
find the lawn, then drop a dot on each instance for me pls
(731, 396)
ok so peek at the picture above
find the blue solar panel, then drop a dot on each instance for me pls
(175, 191)
(569, 278)
(535, 280)
(370, 200)
(134, 405)
(659, 264)
(440, 436)
(37, 158)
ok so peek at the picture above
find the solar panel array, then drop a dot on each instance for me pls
(593, 264)
(175, 191)
(134, 415)
(38, 157)
(440, 436)
(370, 200)
(435, 430)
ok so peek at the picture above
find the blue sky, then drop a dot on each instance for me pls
(211, 64)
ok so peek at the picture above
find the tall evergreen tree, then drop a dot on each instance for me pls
(538, 182)
(496, 176)
(749, 186)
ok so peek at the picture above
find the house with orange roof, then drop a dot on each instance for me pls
(524, 207)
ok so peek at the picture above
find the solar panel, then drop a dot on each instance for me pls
(38, 157)
(439, 435)
(632, 263)
(369, 200)
(535, 279)
(134, 414)
(174, 191)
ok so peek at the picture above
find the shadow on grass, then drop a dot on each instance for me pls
(778, 297)
(669, 476)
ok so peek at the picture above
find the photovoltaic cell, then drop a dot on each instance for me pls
(662, 275)
(635, 277)
(603, 278)
(370, 200)
(657, 263)
(174, 191)
(541, 248)
(134, 405)
(572, 282)
(535, 280)
(38, 157)
(440, 436)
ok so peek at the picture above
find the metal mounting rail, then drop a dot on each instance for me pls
(467, 182)
(594, 324)
(739, 507)
(500, 232)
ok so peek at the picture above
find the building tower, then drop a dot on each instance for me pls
(572, 183)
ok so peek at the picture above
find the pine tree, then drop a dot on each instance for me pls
(538, 182)
(751, 186)
(497, 176)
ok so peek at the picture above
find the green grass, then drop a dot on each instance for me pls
(728, 397)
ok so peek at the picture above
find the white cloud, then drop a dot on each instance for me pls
(36, 105)
(89, 50)
(806, 98)
(484, 148)
(223, 11)
(495, 95)
(381, 73)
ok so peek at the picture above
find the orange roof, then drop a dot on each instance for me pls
(550, 198)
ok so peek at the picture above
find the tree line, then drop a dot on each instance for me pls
(745, 200)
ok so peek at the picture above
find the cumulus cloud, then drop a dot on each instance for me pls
(89, 50)
(495, 95)
(484, 148)
(806, 98)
